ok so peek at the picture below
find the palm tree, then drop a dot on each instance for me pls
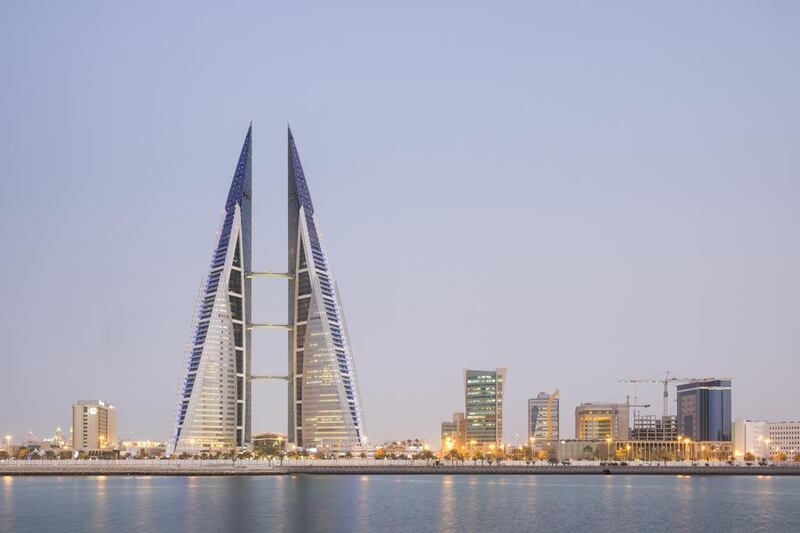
(588, 452)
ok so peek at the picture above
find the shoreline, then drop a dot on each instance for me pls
(133, 470)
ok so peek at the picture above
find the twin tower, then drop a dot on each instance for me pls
(214, 405)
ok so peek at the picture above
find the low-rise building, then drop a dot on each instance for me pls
(143, 448)
(750, 437)
(269, 443)
(784, 437)
(453, 434)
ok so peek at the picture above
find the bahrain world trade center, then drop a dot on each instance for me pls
(214, 400)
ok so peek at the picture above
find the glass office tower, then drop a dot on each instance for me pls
(543, 417)
(324, 402)
(483, 392)
(213, 410)
(704, 410)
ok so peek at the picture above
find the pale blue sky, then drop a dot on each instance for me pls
(580, 192)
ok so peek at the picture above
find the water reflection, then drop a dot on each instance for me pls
(400, 503)
(7, 493)
(99, 507)
(447, 507)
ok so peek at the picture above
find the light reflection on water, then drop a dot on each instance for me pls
(400, 503)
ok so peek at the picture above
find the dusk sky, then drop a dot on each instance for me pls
(578, 192)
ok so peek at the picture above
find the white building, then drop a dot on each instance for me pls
(95, 426)
(750, 436)
(784, 437)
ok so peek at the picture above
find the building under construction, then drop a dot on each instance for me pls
(651, 427)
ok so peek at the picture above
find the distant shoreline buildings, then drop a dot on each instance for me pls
(703, 429)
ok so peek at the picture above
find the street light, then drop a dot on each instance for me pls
(608, 448)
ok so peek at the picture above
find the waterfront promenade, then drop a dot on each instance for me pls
(250, 467)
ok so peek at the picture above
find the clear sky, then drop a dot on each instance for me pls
(578, 192)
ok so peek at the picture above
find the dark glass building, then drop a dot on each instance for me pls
(704, 410)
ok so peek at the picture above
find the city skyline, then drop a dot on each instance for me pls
(630, 209)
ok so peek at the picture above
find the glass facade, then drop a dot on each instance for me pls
(483, 392)
(324, 403)
(704, 410)
(543, 417)
(214, 395)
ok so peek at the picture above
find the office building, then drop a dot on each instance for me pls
(704, 410)
(750, 436)
(213, 411)
(325, 409)
(483, 391)
(601, 421)
(543, 417)
(95, 426)
(784, 437)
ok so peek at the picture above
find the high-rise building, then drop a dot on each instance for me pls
(601, 421)
(704, 410)
(750, 436)
(213, 410)
(95, 426)
(543, 417)
(483, 392)
(324, 402)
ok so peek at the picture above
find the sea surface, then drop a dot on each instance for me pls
(400, 503)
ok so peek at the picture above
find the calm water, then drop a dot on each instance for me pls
(400, 503)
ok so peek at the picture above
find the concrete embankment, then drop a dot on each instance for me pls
(131, 468)
(547, 470)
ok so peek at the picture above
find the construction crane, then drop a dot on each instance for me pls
(635, 405)
(550, 415)
(665, 382)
